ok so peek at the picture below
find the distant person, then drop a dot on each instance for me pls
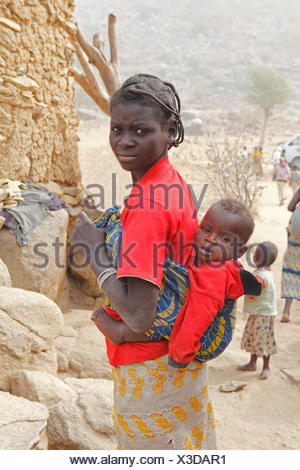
(257, 161)
(282, 175)
(275, 159)
(276, 155)
(290, 279)
(259, 336)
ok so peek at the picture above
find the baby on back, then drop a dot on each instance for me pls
(216, 279)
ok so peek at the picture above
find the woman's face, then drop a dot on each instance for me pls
(137, 137)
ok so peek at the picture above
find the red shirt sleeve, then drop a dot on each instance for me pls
(145, 242)
(234, 287)
(262, 281)
(263, 285)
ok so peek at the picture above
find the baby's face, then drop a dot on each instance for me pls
(218, 238)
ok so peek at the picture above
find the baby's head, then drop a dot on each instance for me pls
(224, 231)
(265, 254)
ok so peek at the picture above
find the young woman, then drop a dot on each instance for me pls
(156, 406)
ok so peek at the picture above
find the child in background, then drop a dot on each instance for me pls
(259, 336)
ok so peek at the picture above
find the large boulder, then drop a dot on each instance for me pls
(40, 265)
(84, 422)
(88, 357)
(5, 279)
(40, 386)
(29, 323)
(64, 346)
(22, 423)
(85, 275)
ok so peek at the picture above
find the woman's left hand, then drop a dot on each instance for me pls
(87, 238)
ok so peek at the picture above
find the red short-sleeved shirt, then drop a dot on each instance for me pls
(159, 219)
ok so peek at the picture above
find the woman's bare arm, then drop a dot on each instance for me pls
(115, 331)
(135, 301)
(294, 201)
(133, 298)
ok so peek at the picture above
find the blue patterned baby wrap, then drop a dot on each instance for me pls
(175, 284)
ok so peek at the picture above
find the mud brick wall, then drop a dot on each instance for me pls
(38, 121)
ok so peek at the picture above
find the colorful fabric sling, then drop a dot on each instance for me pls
(175, 284)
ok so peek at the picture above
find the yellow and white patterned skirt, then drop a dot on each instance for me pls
(160, 407)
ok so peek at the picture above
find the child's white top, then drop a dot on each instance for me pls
(265, 303)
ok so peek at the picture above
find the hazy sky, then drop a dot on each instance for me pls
(205, 47)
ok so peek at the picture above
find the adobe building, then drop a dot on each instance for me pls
(38, 120)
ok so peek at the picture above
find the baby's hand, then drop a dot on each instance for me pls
(107, 325)
(98, 315)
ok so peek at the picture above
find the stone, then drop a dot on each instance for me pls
(7, 40)
(90, 385)
(29, 323)
(293, 374)
(37, 112)
(23, 82)
(70, 190)
(75, 212)
(71, 200)
(39, 266)
(5, 117)
(28, 95)
(22, 423)
(5, 91)
(88, 356)
(5, 279)
(232, 386)
(33, 311)
(64, 347)
(31, 2)
(77, 318)
(10, 24)
(85, 274)
(20, 71)
(56, 100)
(85, 422)
(40, 386)
(54, 188)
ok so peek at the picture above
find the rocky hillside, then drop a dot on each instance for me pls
(204, 47)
